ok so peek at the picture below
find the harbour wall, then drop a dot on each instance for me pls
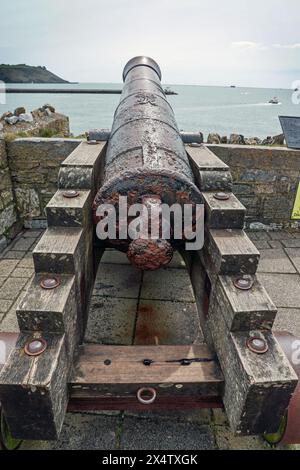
(266, 180)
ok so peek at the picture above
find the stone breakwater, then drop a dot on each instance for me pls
(44, 121)
(238, 139)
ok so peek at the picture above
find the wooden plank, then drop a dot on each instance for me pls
(244, 310)
(70, 212)
(85, 155)
(231, 251)
(214, 181)
(202, 158)
(126, 371)
(48, 310)
(65, 250)
(33, 390)
(210, 172)
(84, 168)
(228, 214)
(90, 402)
(59, 251)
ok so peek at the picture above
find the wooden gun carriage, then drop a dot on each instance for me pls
(241, 365)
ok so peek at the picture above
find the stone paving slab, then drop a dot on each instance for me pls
(280, 235)
(225, 440)
(196, 416)
(26, 262)
(288, 319)
(144, 434)
(33, 233)
(167, 284)
(5, 305)
(11, 254)
(284, 289)
(11, 288)
(294, 255)
(111, 321)
(23, 244)
(121, 281)
(22, 272)
(166, 322)
(275, 261)
(293, 243)
(7, 266)
(84, 432)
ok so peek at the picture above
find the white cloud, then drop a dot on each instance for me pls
(287, 46)
(249, 45)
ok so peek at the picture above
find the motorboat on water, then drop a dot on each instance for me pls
(274, 100)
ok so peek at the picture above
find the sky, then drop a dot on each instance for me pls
(201, 42)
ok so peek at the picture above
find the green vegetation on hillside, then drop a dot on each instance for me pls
(23, 73)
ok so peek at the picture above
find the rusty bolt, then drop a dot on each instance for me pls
(243, 283)
(35, 347)
(49, 283)
(257, 345)
(222, 196)
(70, 193)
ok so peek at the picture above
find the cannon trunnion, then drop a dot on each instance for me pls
(241, 365)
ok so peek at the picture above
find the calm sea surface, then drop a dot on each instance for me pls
(209, 109)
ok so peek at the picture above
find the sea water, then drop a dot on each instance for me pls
(224, 110)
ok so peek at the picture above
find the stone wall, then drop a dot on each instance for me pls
(266, 180)
(8, 215)
(34, 164)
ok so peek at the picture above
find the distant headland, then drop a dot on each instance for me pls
(23, 73)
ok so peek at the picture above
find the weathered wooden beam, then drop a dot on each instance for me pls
(65, 250)
(83, 168)
(53, 310)
(201, 158)
(244, 310)
(60, 250)
(231, 252)
(33, 390)
(226, 214)
(210, 172)
(106, 371)
(70, 212)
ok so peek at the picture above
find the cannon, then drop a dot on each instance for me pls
(240, 366)
(146, 159)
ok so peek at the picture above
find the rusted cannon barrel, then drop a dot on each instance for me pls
(146, 159)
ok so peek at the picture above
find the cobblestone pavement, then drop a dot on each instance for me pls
(123, 303)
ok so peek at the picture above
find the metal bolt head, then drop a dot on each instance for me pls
(222, 196)
(257, 345)
(35, 347)
(49, 283)
(147, 362)
(107, 362)
(70, 193)
(93, 142)
(243, 283)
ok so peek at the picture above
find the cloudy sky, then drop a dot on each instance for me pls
(206, 42)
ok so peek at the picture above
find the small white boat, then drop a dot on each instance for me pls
(274, 100)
